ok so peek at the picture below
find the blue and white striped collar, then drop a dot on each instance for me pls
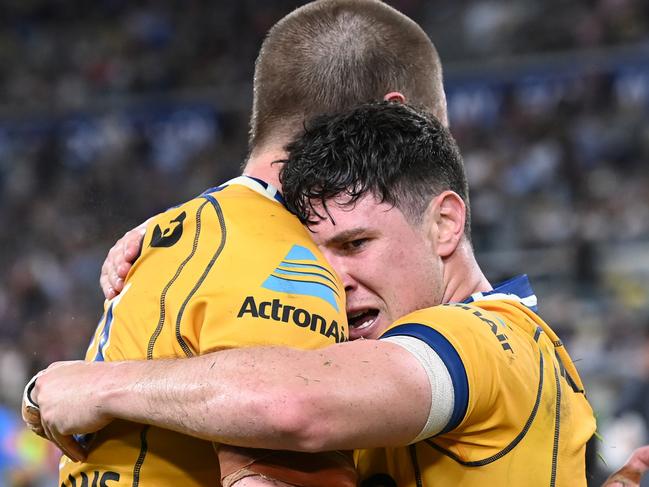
(258, 185)
(515, 289)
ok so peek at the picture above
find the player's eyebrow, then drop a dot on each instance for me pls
(346, 236)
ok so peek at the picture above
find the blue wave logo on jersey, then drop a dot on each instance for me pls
(297, 275)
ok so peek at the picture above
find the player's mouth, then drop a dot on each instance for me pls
(361, 322)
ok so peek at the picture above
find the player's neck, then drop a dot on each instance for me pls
(463, 276)
(264, 165)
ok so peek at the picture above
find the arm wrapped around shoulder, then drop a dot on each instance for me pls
(294, 468)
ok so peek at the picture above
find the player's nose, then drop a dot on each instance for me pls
(343, 270)
(349, 283)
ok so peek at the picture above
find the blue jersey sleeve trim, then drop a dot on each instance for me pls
(105, 335)
(451, 359)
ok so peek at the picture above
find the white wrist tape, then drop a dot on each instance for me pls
(27, 398)
(441, 385)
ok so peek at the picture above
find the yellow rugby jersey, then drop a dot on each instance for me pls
(230, 268)
(520, 415)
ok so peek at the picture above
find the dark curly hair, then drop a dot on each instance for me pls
(401, 155)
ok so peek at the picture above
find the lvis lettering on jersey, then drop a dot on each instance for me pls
(96, 479)
(276, 311)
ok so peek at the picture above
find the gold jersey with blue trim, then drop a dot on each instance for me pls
(230, 268)
(520, 415)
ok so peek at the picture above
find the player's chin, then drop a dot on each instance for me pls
(370, 326)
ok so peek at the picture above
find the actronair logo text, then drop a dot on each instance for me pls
(276, 311)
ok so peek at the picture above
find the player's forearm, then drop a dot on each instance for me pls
(347, 396)
(186, 395)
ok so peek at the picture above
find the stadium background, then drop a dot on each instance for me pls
(113, 110)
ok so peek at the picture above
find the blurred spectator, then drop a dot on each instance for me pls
(25, 459)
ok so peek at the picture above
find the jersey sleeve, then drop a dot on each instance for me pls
(488, 369)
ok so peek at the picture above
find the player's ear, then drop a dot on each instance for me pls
(395, 96)
(445, 216)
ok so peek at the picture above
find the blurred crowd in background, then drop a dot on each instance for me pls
(113, 110)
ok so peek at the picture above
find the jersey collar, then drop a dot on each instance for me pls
(515, 289)
(258, 185)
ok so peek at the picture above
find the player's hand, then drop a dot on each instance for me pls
(32, 418)
(259, 482)
(633, 470)
(68, 399)
(119, 261)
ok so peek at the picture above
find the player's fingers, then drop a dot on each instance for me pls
(31, 416)
(137, 238)
(114, 262)
(133, 246)
(30, 411)
(38, 430)
(113, 281)
(106, 288)
(128, 250)
(640, 458)
(71, 452)
(34, 424)
(631, 473)
(621, 482)
(123, 268)
(107, 271)
(71, 448)
(66, 444)
(32, 389)
(32, 419)
(119, 260)
(117, 282)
